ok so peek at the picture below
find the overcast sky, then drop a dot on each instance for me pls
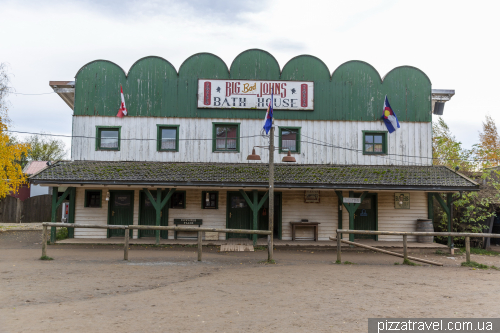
(453, 42)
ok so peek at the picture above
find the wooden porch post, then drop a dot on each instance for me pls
(255, 206)
(71, 217)
(447, 207)
(430, 205)
(158, 204)
(53, 215)
(351, 209)
(56, 203)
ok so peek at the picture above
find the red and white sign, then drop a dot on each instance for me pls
(253, 94)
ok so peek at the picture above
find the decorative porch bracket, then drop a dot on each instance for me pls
(158, 204)
(56, 203)
(448, 209)
(255, 206)
(351, 209)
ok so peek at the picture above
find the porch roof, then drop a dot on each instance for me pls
(387, 177)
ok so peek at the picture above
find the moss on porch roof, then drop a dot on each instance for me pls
(333, 176)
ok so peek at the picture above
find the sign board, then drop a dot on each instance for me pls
(254, 94)
(352, 200)
(311, 196)
(188, 221)
(401, 200)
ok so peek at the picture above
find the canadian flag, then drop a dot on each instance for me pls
(123, 109)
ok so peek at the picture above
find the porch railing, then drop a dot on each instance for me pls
(405, 235)
(152, 227)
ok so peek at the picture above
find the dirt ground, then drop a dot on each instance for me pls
(91, 289)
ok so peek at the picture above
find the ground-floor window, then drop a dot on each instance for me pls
(209, 200)
(178, 200)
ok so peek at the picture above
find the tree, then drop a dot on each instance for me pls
(488, 149)
(446, 150)
(11, 173)
(42, 148)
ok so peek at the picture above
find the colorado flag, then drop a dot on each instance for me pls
(390, 119)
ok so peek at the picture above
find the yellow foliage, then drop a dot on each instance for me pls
(489, 146)
(11, 175)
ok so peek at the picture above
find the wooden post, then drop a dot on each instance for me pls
(158, 214)
(271, 192)
(339, 245)
(200, 244)
(449, 200)
(467, 249)
(125, 245)
(405, 247)
(44, 241)
(53, 216)
(255, 214)
(71, 217)
(19, 210)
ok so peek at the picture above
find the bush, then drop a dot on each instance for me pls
(62, 233)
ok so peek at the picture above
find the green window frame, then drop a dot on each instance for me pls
(98, 134)
(215, 139)
(159, 129)
(173, 198)
(87, 202)
(212, 195)
(297, 139)
(375, 142)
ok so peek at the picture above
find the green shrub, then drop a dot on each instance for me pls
(474, 264)
(62, 233)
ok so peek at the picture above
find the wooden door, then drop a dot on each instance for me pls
(147, 215)
(120, 211)
(239, 214)
(264, 215)
(365, 217)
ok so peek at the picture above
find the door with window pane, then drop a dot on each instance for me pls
(226, 137)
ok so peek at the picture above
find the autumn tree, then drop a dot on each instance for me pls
(488, 149)
(446, 150)
(41, 148)
(11, 175)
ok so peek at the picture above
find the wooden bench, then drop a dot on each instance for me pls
(313, 225)
(197, 222)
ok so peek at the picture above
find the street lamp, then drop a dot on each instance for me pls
(254, 157)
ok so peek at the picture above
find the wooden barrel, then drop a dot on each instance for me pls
(424, 225)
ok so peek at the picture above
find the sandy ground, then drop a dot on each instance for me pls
(91, 289)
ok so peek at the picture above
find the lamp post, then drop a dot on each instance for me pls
(288, 158)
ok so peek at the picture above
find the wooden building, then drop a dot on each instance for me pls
(188, 133)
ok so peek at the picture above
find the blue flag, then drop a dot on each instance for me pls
(268, 120)
(389, 117)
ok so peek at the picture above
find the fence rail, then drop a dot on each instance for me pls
(150, 227)
(405, 235)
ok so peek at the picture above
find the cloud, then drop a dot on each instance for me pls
(213, 10)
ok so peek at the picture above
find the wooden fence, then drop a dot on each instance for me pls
(34, 209)
(151, 227)
(405, 234)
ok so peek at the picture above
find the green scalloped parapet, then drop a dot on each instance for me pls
(355, 91)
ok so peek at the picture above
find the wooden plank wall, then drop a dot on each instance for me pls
(294, 209)
(8, 206)
(414, 139)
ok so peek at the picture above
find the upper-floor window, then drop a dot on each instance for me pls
(374, 143)
(108, 137)
(289, 139)
(226, 137)
(168, 138)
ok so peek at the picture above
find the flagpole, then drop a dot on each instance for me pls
(270, 239)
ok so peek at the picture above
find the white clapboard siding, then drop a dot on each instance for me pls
(294, 209)
(392, 219)
(99, 216)
(212, 218)
(412, 139)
